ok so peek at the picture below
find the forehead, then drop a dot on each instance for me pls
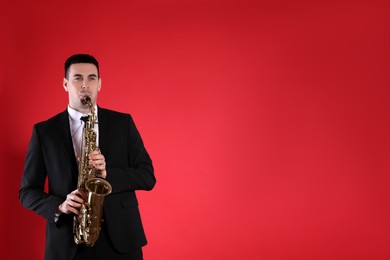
(82, 69)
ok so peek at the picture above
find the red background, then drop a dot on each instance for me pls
(267, 121)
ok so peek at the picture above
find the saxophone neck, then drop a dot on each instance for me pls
(91, 114)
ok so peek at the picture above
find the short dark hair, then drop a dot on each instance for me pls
(80, 58)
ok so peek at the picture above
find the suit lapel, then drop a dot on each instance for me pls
(66, 140)
(102, 119)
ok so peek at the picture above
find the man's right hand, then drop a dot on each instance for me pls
(72, 203)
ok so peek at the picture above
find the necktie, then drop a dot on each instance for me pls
(84, 119)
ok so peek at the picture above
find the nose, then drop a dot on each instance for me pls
(84, 85)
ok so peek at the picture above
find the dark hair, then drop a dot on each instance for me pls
(80, 58)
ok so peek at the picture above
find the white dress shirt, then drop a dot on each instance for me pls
(76, 129)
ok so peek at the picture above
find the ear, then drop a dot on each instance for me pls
(65, 84)
(100, 84)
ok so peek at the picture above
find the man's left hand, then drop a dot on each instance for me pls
(97, 160)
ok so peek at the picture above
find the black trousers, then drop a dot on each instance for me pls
(104, 250)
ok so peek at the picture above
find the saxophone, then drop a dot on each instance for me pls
(87, 225)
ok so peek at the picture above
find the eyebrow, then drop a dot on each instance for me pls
(90, 75)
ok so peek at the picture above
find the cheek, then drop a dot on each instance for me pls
(73, 92)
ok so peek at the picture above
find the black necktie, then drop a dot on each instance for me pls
(84, 119)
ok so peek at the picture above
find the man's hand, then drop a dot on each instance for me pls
(97, 160)
(72, 203)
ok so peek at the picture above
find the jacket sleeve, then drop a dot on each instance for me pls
(137, 172)
(32, 193)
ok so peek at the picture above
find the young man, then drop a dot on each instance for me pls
(122, 160)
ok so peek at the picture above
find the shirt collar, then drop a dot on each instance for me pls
(75, 115)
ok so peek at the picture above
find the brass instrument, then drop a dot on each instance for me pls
(87, 225)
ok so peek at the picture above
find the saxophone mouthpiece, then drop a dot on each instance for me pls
(86, 100)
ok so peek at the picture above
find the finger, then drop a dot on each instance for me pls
(97, 157)
(103, 174)
(100, 164)
(95, 160)
(76, 192)
(74, 210)
(75, 198)
(101, 167)
(95, 153)
(75, 203)
(67, 208)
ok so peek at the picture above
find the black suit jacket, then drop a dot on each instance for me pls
(51, 155)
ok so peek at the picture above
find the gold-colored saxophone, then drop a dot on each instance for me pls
(87, 225)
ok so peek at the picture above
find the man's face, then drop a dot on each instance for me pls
(82, 81)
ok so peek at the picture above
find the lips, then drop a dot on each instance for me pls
(85, 94)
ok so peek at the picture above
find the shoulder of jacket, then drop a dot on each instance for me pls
(109, 112)
(53, 120)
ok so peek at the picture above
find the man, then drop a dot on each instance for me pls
(121, 159)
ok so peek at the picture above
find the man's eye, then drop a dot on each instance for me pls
(92, 78)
